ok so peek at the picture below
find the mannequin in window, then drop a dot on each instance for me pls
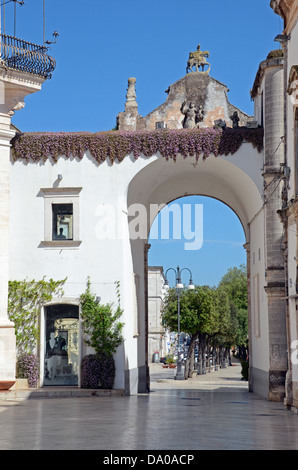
(61, 233)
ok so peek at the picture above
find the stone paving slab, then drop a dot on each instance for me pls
(225, 378)
(215, 412)
(161, 378)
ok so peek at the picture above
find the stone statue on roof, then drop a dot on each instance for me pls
(197, 59)
(193, 115)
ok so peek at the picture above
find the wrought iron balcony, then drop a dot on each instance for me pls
(26, 57)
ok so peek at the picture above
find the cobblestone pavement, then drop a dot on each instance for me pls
(211, 412)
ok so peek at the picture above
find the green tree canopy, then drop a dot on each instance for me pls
(234, 282)
(219, 313)
(197, 310)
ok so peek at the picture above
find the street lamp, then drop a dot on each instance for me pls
(179, 286)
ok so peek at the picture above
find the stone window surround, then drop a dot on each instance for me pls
(60, 196)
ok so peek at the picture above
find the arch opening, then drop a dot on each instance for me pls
(229, 180)
(220, 256)
(201, 231)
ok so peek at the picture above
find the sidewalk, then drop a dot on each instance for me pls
(227, 378)
(160, 378)
(210, 412)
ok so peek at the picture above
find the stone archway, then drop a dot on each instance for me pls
(234, 180)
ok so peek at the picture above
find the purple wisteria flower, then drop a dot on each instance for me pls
(116, 145)
(28, 368)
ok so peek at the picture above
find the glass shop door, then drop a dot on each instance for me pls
(61, 363)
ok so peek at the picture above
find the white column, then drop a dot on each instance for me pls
(7, 332)
(14, 86)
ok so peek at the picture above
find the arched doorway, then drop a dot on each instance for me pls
(235, 180)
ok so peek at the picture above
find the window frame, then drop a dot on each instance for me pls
(60, 196)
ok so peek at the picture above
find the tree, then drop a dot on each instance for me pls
(198, 315)
(234, 282)
(195, 310)
(215, 317)
(101, 323)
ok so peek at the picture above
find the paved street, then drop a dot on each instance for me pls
(209, 412)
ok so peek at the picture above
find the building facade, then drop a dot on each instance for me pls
(90, 201)
(88, 216)
(157, 334)
(288, 10)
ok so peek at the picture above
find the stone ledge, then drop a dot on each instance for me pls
(61, 392)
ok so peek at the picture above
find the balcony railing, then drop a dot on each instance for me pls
(26, 57)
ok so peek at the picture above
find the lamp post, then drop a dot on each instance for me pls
(179, 286)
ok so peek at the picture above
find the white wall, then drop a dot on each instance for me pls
(259, 340)
(238, 183)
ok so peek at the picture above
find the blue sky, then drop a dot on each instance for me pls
(223, 239)
(102, 43)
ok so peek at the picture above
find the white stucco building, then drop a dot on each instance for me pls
(99, 201)
(87, 214)
(157, 334)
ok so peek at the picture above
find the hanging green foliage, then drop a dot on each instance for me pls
(25, 299)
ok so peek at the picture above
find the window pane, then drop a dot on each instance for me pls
(62, 221)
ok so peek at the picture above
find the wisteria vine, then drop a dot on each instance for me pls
(116, 145)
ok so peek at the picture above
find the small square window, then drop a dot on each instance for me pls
(61, 218)
(62, 221)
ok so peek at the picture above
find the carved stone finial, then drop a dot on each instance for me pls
(131, 102)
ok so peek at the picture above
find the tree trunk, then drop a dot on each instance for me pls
(189, 360)
(200, 364)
